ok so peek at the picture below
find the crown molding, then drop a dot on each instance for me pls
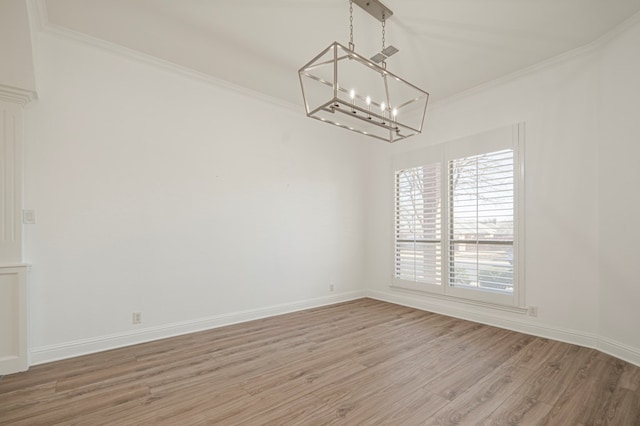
(16, 95)
(41, 15)
(558, 60)
(38, 13)
(165, 65)
(619, 30)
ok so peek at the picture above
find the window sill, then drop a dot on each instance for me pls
(495, 306)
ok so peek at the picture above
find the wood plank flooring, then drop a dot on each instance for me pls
(356, 363)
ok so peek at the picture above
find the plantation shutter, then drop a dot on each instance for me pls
(481, 221)
(418, 240)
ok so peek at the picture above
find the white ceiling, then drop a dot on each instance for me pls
(446, 46)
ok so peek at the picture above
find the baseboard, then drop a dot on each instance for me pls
(618, 350)
(564, 335)
(44, 354)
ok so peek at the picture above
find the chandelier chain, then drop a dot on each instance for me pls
(351, 45)
(384, 21)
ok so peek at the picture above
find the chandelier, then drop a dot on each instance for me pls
(343, 88)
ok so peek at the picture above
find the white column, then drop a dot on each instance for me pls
(17, 89)
(14, 347)
(10, 183)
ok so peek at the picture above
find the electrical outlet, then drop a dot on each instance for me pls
(28, 216)
(331, 287)
(533, 311)
(136, 318)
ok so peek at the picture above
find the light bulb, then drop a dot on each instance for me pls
(352, 94)
(383, 106)
(368, 100)
(394, 112)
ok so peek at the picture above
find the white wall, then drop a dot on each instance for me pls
(619, 179)
(187, 201)
(580, 241)
(154, 192)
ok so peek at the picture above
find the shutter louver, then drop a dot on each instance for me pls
(481, 221)
(418, 245)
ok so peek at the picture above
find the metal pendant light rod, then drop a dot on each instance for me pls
(375, 8)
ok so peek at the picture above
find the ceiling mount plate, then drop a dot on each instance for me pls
(388, 51)
(375, 8)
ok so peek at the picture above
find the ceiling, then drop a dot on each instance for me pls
(446, 46)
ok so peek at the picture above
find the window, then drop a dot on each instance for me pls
(418, 225)
(468, 191)
(481, 221)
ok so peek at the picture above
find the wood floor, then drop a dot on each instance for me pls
(362, 362)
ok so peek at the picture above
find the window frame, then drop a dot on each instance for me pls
(511, 137)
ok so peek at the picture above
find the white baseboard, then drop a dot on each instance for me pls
(618, 350)
(44, 354)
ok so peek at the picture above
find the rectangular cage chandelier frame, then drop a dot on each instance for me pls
(343, 88)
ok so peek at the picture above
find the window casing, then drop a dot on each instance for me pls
(458, 222)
